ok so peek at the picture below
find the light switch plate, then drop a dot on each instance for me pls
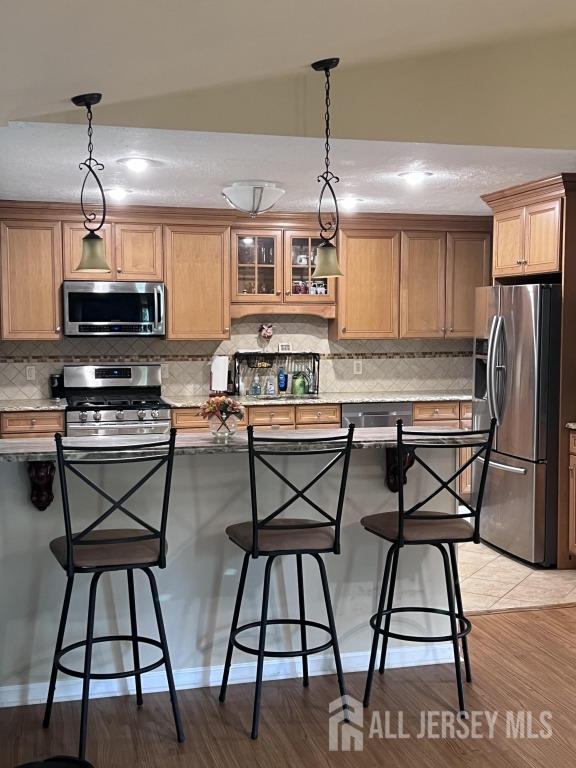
(357, 367)
(30, 373)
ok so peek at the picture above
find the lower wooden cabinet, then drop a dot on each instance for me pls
(26, 424)
(272, 416)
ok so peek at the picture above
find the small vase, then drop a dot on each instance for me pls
(222, 427)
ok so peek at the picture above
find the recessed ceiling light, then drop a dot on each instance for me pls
(117, 193)
(415, 177)
(350, 203)
(137, 164)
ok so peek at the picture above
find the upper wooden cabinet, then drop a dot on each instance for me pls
(72, 236)
(423, 285)
(368, 294)
(31, 279)
(133, 251)
(467, 268)
(197, 275)
(528, 226)
(508, 243)
(300, 287)
(138, 252)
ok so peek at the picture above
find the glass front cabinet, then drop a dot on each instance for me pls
(275, 267)
(257, 266)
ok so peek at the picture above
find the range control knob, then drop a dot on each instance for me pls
(83, 416)
(120, 415)
(97, 416)
(141, 414)
(154, 414)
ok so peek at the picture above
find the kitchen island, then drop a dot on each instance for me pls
(210, 490)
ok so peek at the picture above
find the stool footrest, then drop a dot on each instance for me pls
(283, 654)
(110, 675)
(465, 625)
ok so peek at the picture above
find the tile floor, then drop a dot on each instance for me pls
(491, 581)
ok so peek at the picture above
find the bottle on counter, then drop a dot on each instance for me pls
(256, 388)
(282, 380)
(270, 387)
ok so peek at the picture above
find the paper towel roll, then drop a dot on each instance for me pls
(219, 373)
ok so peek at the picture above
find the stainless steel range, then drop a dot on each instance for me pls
(115, 400)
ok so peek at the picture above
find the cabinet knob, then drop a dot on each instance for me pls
(443, 330)
(278, 293)
(343, 330)
(227, 329)
(119, 269)
(450, 330)
(287, 293)
(57, 328)
(436, 410)
(525, 261)
(319, 414)
(33, 422)
(519, 261)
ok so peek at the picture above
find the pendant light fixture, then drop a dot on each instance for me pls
(326, 254)
(93, 258)
(252, 197)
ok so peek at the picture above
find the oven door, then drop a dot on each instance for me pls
(117, 430)
(103, 308)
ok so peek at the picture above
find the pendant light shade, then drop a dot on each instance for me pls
(326, 261)
(252, 197)
(93, 259)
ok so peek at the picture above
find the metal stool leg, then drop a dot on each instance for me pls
(261, 647)
(459, 605)
(166, 654)
(87, 665)
(134, 631)
(389, 604)
(302, 619)
(234, 626)
(59, 643)
(332, 625)
(376, 637)
(453, 626)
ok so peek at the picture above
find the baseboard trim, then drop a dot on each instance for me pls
(70, 689)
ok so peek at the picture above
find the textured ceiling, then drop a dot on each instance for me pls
(40, 162)
(130, 49)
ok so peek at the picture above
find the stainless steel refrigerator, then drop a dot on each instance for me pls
(516, 369)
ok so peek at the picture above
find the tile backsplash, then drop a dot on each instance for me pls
(433, 365)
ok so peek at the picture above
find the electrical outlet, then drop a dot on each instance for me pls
(358, 367)
(30, 373)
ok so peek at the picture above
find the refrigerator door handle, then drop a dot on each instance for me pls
(493, 368)
(505, 467)
(490, 376)
(499, 370)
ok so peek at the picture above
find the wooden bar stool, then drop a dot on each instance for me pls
(96, 550)
(273, 536)
(441, 530)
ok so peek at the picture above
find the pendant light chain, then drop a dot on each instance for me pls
(328, 223)
(91, 165)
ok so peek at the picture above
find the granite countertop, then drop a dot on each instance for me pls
(330, 398)
(194, 443)
(13, 406)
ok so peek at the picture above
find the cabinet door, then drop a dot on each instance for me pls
(465, 479)
(197, 282)
(299, 263)
(422, 285)
(508, 243)
(138, 252)
(542, 240)
(257, 266)
(572, 506)
(368, 294)
(467, 268)
(73, 234)
(31, 280)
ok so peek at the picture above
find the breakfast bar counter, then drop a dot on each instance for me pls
(210, 490)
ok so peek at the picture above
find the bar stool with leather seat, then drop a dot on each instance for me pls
(415, 526)
(275, 536)
(95, 550)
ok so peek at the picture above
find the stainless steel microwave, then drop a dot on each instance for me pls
(105, 308)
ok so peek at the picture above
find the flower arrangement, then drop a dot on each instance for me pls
(221, 407)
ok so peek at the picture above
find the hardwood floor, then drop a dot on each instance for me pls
(521, 661)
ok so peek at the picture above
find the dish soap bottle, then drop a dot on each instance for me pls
(256, 389)
(282, 380)
(270, 388)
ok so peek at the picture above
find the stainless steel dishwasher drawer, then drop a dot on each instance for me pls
(376, 414)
